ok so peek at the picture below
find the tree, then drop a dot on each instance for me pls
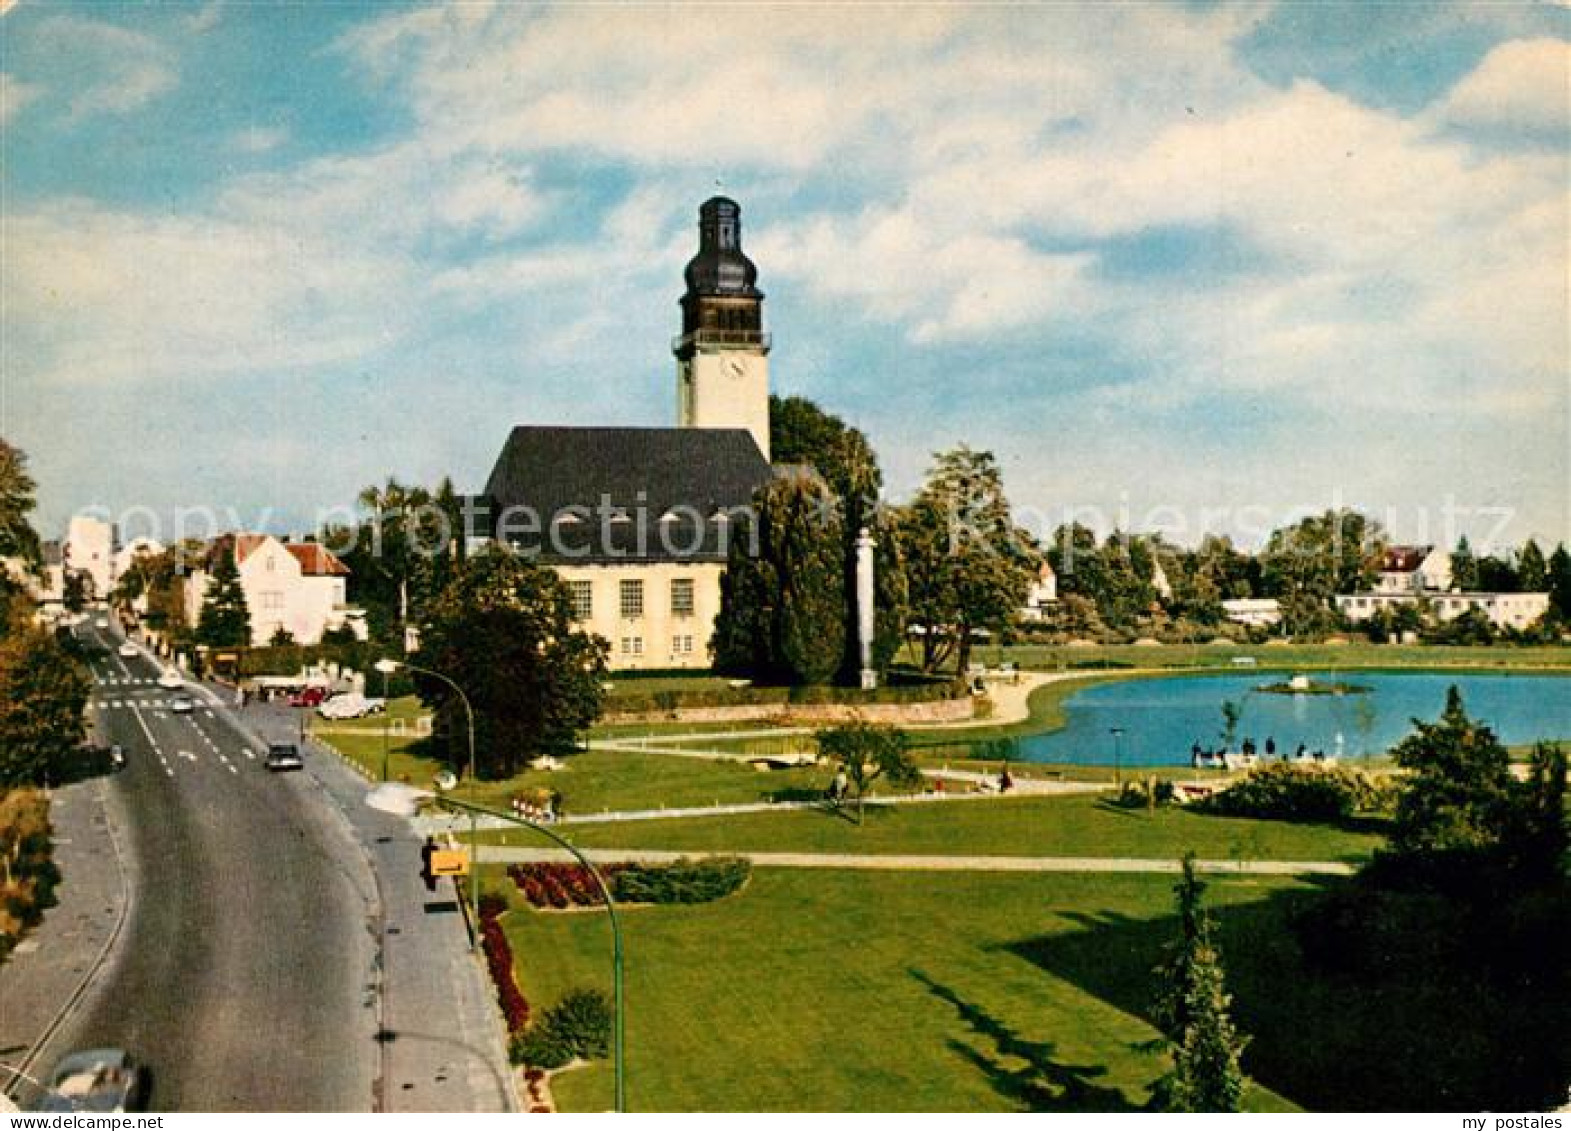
(1464, 566)
(1456, 793)
(800, 432)
(1497, 575)
(1559, 581)
(18, 539)
(76, 590)
(225, 622)
(1192, 1009)
(1304, 566)
(503, 631)
(782, 608)
(1532, 572)
(867, 752)
(968, 568)
(43, 693)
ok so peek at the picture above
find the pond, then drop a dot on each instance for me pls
(1163, 718)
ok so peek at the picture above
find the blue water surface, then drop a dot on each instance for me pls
(1163, 718)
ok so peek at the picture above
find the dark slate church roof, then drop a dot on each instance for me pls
(621, 494)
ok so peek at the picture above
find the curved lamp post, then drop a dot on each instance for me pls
(404, 801)
(387, 668)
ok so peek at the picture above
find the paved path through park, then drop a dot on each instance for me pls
(1116, 864)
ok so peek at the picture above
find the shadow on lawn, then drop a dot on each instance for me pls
(1416, 1036)
(1041, 1083)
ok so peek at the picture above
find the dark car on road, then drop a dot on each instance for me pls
(283, 756)
(98, 1080)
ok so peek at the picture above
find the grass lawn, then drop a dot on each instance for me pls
(597, 780)
(891, 992)
(1038, 826)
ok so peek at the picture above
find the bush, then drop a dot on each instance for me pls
(577, 1027)
(1145, 794)
(685, 881)
(1282, 791)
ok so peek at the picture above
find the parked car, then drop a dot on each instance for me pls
(102, 623)
(284, 756)
(97, 1080)
(308, 697)
(128, 650)
(181, 705)
(350, 705)
(171, 679)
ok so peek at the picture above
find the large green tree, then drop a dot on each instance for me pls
(43, 692)
(869, 752)
(1559, 582)
(1461, 817)
(1305, 565)
(782, 599)
(968, 567)
(800, 432)
(1532, 571)
(225, 622)
(405, 551)
(503, 630)
(1193, 1010)
(18, 539)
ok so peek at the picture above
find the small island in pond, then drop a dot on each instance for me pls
(1303, 685)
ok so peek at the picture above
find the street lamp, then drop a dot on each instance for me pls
(1118, 755)
(388, 667)
(404, 801)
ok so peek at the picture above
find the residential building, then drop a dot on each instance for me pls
(639, 521)
(1256, 612)
(1042, 594)
(1414, 569)
(1504, 610)
(90, 550)
(297, 587)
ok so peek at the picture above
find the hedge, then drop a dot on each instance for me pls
(643, 703)
(577, 1028)
(499, 959)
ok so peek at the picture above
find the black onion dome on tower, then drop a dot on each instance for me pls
(720, 268)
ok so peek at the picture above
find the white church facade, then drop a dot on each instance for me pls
(639, 521)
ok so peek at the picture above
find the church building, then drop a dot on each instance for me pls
(639, 521)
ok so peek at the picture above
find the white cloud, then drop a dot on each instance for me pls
(260, 139)
(15, 94)
(96, 295)
(1522, 84)
(122, 70)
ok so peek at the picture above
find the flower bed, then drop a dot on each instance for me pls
(560, 886)
(499, 959)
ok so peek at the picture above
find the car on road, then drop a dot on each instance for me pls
(351, 705)
(128, 650)
(181, 705)
(102, 623)
(284, 756)
(308, 697)
(171, 678)
(96, 1080)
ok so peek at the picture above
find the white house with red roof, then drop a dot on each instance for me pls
(298, 587)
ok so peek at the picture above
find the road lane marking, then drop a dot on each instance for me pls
(187, 755)
(151, 741)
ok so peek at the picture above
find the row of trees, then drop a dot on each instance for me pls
(949, 565)
(43, 685)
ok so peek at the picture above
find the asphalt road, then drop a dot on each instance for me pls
(245, 978)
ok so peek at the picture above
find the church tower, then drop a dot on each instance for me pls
(722, 355)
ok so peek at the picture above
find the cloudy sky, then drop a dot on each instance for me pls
(1182, 265)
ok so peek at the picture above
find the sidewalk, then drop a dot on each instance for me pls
(1092, 864)
(44, 977)
(443, 1046)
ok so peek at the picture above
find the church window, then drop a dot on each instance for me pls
(583, 599)
(682, 596)
(632, 594)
